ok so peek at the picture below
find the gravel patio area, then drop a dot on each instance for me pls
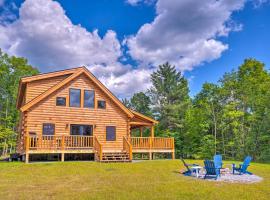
(228, 176)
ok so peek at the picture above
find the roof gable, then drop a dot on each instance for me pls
(143, 117)
(75, 73)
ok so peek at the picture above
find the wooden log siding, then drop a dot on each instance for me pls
(47, 112)
(36, 88)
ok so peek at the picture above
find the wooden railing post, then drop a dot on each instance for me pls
(130, 152)
(173, 150)
(63, 142)
(62, 148)
(100, 152)
(27, 148)
(39, 140)
(150, 147)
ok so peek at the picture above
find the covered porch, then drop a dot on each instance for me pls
(142, 137)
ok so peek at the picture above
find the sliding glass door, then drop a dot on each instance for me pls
(82, 130)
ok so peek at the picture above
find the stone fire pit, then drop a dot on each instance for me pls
(228, 176)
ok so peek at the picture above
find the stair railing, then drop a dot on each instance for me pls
(127, 147)
(97, 148)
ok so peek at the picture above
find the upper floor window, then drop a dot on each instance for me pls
(74, 97)
(89, 98)
(48, 129)
(101, 104)
(61, 101)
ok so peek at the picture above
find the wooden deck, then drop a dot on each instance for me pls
(90, 144)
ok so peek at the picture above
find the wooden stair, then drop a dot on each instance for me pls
(115, 157)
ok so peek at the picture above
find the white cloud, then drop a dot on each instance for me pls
(127, 84)
(259, 3)
(137, 2)
(133, 2)
(49, 40)
(185, 32)
(46, 36)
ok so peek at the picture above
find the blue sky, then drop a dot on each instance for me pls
(204, 40)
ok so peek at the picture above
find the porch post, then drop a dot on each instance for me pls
(173, 149)
(26, 157)
(141, 131)
(62, 157)
(150, 155)
(128, 128)
(63, 148)
(152, 131)
(151, 142)
(27, 148)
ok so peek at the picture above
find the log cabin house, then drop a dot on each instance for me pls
(71, 112)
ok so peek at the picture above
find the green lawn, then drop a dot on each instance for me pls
(158, 179)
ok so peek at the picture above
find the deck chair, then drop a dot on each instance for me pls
(211, 170)
(189, 171)
(242, 169)
(218, 162)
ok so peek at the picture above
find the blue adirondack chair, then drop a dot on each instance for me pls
(218, 161)
(189, 171)
(242, 169)
(211, 170)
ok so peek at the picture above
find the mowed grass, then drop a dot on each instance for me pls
(158, 179)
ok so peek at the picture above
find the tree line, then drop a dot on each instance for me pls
(231, 117)
(11, 70)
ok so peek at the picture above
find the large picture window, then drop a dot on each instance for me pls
(75, 98)
(78, 129)
(48, 129)
(110, 133)
(89, 99)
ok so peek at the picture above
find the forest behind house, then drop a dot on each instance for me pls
(231, 117)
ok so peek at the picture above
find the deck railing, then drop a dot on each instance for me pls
(152, 143)
(61, 142)
(127, 147)
(81, 142)
(71, 142)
